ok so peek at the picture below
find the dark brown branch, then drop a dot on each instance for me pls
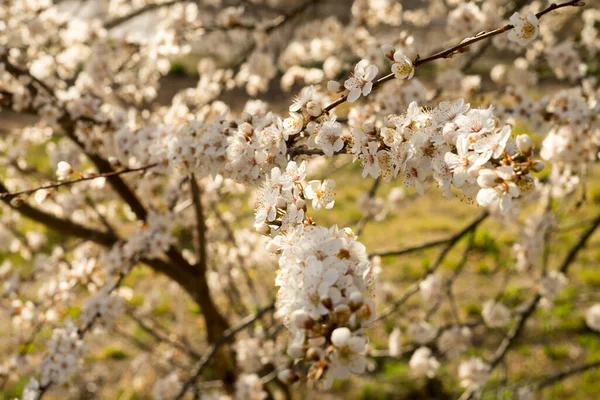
(200, 225)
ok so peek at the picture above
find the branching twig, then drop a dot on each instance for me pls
(212, 350)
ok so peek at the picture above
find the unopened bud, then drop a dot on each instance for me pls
(388, 51)
(342, 313)
(263, 228)
(281, 203)
(287, 376)
(327, 302)
(355, 301)
(313, 109)
(313, 354)
(272, 247)
(538, 166)
(524, 144)
(295, 350)
(300, 319)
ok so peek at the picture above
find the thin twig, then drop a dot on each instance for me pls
(9, 196)
(212, 350)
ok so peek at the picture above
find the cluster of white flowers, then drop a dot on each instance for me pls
(63, 357)
(473, 373)
(423, 363)
(323, 278)
(282, 203)
(103, 307)
(452, 145)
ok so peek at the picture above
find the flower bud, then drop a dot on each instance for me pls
(355, 301)
(313, 109)
(287, 376)
(487, 178)
(272, 247)
(300, 319)
(281, 203)
(538, 166)
(313, 354)
(388, 51)
(327, 302)
(342, 313)
(263, 228)
(524, 144)
(301, 204)
(340, 337)
(295, 350)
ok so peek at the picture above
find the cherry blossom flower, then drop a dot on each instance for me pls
(423, 363)
(321, 193)
(403, 67)
(63, 170)
(329, 136)
(460, 163)
(361, 81)
(492, 146)
(346, 357)
(473, 373)
(525, 28)
(497, 188)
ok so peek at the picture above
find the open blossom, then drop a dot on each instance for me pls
(63, 170)
(329, 136)
(473, 373)
(497, 188)
(492, 146)
(293, 124)
(423, 363)
(495, 315)
(361, 81)
(460, 163)
(454, 341)
(525, 28)
(347, 357)
(592, 317)
(403, 67)
(321, 193)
